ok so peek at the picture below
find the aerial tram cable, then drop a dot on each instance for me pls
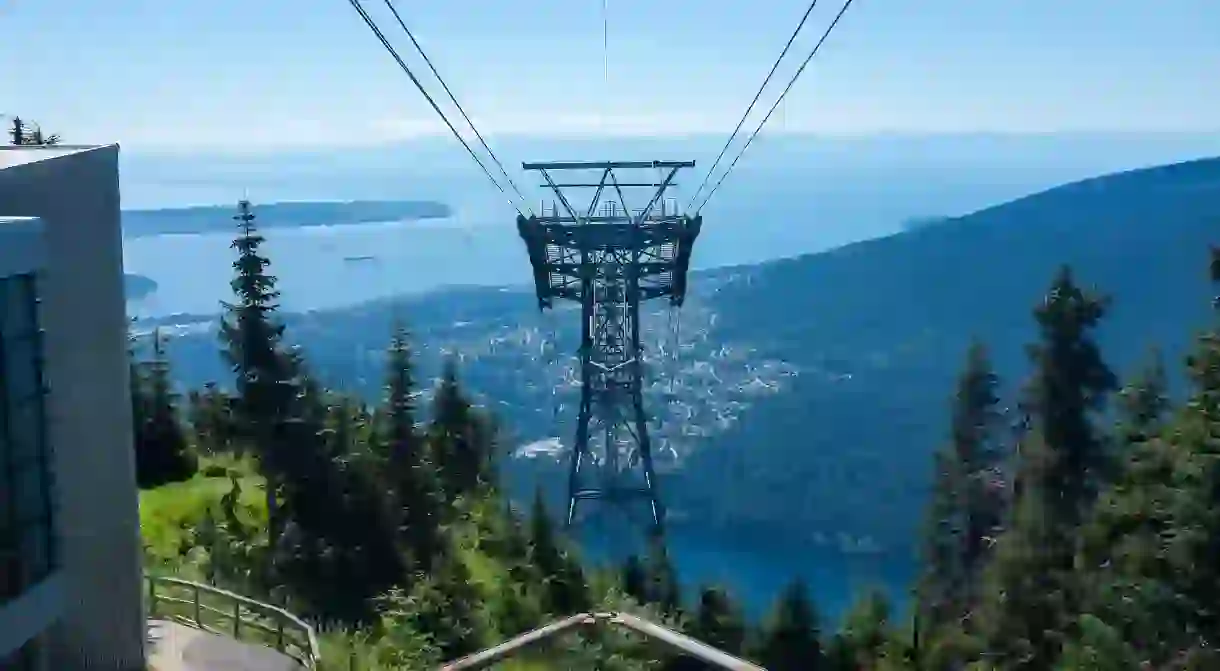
(415, 80)
(771, 111)
(477, 134)
(753, 102)
(606, 42)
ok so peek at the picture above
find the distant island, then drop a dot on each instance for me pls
(219, 218)
(137, 287)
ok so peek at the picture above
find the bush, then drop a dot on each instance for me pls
(215, 471)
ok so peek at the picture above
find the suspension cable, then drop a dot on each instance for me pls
(606, 43)
(776, 104)
(746, 114)
(492, 154)
(415, 80)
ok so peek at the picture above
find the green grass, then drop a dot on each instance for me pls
(169, 513)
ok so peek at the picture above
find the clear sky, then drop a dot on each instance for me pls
(187, 73)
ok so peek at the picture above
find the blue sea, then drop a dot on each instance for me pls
(787, 202)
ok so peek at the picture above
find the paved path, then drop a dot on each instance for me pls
(176, 647)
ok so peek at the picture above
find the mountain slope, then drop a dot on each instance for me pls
(896, 314)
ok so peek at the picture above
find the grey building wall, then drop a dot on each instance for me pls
(75, 193)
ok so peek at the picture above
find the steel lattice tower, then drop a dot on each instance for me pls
(610, 262)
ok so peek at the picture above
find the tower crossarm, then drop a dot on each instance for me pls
(657, 251)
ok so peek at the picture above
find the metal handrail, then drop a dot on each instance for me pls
(262, 623)
(681, 642)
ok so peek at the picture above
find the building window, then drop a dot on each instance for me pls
(27, 539)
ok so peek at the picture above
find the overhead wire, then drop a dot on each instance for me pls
(449, 92)
(606, 41)
(419, 85)
(771, 111)
(750, 108)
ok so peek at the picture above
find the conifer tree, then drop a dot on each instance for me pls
(1069, 390)
(418, 498)
(337, 550)
(663, 586)
(1193, 541)
(264, 367)
(1033, 593)
(635, 579)
(967, 502)
(454, 439)
(137, 387)
(864, 637)
(566, 592)
(719, 622)
(162, 451)
(1144, 402)
(790, 639)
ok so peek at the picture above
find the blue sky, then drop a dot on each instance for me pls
(177, 73)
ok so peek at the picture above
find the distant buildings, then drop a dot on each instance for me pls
(70, 576)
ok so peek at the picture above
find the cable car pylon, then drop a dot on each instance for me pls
(609, 260)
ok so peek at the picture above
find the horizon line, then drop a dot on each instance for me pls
(525, 136)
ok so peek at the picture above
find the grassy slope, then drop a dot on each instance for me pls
(170, 512)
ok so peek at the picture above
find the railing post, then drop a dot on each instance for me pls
(198, 609)
(152, 597)
(279, 622)
(237, 619)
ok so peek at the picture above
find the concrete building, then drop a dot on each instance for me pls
(70, 576)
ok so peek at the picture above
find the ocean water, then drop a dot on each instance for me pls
(756, 574)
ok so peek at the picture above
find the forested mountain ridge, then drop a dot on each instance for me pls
(893, 317)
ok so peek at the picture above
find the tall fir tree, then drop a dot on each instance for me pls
(417, 495)
(565, 590)
(264, 367)
(1129, 577)
(790, 639)
(663, 586)
(1194, 540)
(1067, 394)
(456, 442)
(162, 451)
(967, 503)
(634, 578)
(1033, 593)
(864, 638)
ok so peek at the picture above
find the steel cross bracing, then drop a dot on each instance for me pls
(609, 260)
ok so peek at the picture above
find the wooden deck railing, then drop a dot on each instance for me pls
(222, 612)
